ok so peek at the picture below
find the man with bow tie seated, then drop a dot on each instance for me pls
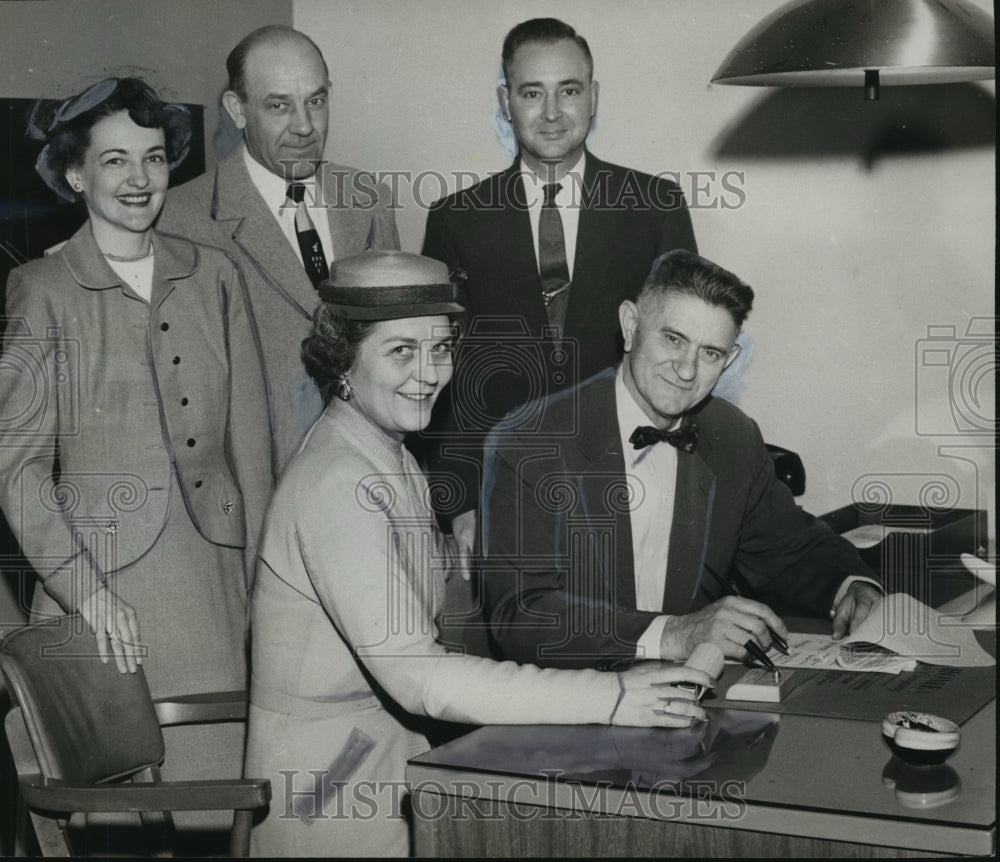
(611, 526)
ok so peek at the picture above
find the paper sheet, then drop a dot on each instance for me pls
(822, 652)
(869, 535)
(898, 632)
(986, 572)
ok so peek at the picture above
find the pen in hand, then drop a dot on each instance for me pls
(755, 651)
(780, 644)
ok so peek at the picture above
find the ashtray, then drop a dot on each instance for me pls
(920, 738)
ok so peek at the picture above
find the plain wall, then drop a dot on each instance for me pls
(864, 223)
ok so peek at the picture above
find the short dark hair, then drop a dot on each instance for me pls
(236, 62)
(66, 127)
(683, 272)
(331, 347)
(546, 31)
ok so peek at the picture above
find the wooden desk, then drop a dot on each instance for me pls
(814, 787)
(750, 783)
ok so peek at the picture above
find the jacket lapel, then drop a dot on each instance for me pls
(694, 498)
(352, 228)
(514, 247)
(173, 259)
(603, 492)
(86, 263)
(237, 204)
(595, 236)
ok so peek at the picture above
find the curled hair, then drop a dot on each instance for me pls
(331, 347)
(546, 31)
(66, 126)
(683, 272)
(236, 62)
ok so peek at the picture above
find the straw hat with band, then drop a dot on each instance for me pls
(388, 285)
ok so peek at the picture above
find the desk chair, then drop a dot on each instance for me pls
(86, 738)
(788, 468)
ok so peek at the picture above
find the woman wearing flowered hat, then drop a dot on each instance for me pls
(136, 459)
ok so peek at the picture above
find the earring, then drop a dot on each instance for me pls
(344, 390)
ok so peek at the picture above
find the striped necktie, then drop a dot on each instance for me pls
(552, 266)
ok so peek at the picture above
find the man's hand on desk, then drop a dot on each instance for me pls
(853, 607)
(728, 623)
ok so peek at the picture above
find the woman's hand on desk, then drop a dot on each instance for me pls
(853, 608)
(651, 699)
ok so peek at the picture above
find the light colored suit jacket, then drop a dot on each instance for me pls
(344, 644)
(104, 393)
(223, 208)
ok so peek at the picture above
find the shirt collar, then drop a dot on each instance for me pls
(273, 188)
(630, 416)
(534, 186)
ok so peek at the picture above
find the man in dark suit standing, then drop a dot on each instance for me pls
(619, 540)
(280, 211)
(550, 247)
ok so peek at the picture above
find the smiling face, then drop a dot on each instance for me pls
(676, 346)
(286, 113)
(550, 99)
(123, 177)
(400, 370)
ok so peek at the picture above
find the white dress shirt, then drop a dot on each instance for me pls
(274, 190)
(651, 473)
(567, 202)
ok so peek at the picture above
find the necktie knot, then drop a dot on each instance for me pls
(684, 438)
(551, 190)
(297, 192)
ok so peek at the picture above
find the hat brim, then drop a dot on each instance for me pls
(395, 312)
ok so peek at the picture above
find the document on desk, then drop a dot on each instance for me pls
(898, 632)
(822, 652)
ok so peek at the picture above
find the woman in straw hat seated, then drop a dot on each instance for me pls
(351, 574)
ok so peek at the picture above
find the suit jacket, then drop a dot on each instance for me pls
(223, 208)
(112, 393)
(557, 539)
(506, 359)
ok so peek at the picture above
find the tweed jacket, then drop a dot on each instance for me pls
(110, 393)
(558, 573)
(507, 357)
(224, 209)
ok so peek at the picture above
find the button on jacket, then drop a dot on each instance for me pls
(105, 393)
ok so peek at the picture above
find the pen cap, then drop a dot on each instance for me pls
(707, 657)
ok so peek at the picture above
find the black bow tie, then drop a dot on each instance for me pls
(684, 438)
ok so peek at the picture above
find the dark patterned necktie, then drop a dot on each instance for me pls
(552, 266)
(313, 258)
(684, 438)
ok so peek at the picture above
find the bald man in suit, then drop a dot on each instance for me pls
(280, 211)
